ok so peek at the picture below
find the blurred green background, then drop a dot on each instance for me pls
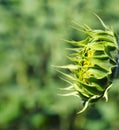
(31, 41)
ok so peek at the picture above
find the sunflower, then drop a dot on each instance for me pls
(94, 61)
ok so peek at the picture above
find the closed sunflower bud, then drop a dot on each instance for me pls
(94, 63)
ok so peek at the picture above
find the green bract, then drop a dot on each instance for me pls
(94, 63)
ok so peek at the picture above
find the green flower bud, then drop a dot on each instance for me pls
(94, 62)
